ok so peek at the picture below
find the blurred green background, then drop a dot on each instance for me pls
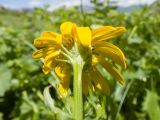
(22, 81)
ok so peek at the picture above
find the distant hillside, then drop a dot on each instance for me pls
(85, 8)
(123, 9)
(130, 8)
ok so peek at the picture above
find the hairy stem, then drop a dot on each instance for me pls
(77, 89)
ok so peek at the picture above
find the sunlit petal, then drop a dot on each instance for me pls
(111, 51)
(66, 28)
(84, 35)
(49, 34)
(45, 42)
(41, 53)
(102, 30)
(106, 32)
(59, 39)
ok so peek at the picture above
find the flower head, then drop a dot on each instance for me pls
(92, 47)
(50, 49)
(101, 52)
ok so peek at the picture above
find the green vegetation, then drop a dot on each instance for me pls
(22, 82)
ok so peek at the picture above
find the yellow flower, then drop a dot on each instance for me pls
(93, 49)
(49, 47)
(101, 52)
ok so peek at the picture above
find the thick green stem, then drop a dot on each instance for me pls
(77, 89)
(77, 63)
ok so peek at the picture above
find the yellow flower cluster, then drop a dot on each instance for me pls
(92, 48)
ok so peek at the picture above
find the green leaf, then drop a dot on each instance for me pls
(100, 112)
(5, 79)
(151, 106)
(48, 99)
(135, 40)
(61, 115)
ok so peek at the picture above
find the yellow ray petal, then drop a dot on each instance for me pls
(111, 54)
(66, 28)
(38, 54)
(111, 51)
(106, 32)
(102, 30)
(59, 71)
(94, 60)
(46, 69)
(41, 53)
(63, 89)
(59, 38)
(112, 70)
(49, 34)
(86, 83)
(45, 42)
(99, 81)
(64, 85)
(84, 36)
(64, 73)
(50, 58)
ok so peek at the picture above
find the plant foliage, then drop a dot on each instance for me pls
(22, 81)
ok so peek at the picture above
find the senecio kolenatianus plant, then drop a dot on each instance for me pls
(77, 51)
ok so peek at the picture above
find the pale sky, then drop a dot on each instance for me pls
(18, 4)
